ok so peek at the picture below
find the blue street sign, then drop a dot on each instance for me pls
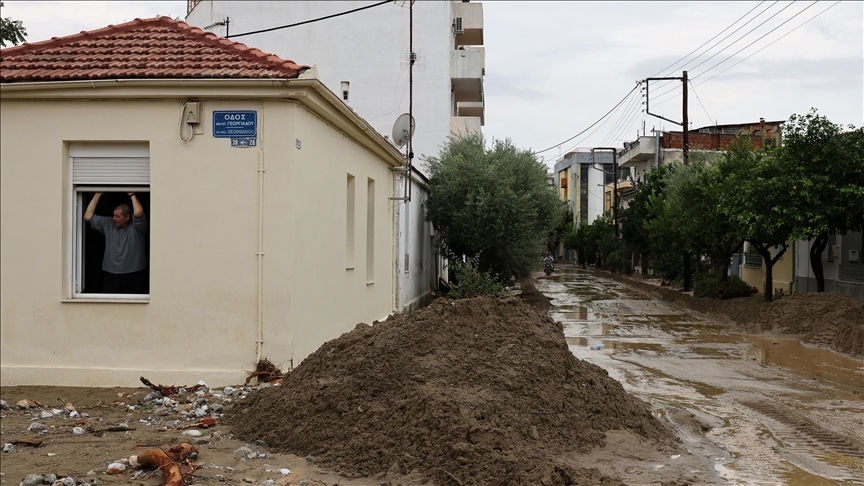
(235, 124)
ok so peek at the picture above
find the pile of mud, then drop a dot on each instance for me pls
(477, 391)
(825, 319)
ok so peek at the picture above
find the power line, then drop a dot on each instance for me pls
(717, 35)
(633, 106)
(310, 21)
(750, 44)
(699, 99)
(757, 40)
(769, 44)
(665, 83)
(596, 122)
(736, 40)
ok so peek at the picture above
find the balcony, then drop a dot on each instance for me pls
(474, 109)
(638, 153)
(466, 74)
(472, 23)
(465, 124)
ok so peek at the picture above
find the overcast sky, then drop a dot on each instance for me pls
(555, 68)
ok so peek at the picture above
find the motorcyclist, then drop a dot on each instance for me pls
(550, 261)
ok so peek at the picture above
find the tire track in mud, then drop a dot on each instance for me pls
(801, 434)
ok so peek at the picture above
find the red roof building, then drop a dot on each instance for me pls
(156, 48)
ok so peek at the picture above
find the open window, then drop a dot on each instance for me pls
(115, 170)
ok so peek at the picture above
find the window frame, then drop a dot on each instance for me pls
(77, 244)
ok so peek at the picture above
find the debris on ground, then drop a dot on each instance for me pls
(265, 372)
(169, 391)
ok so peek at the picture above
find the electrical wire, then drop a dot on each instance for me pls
(624, 113)
(736, 41)
(699, 99)
(310, 21)
(633, 105)
(577, 144)
(638, 83)
(709, 40)
(748, 45)
(769, 44)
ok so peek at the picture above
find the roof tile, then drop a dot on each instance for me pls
(158, 47)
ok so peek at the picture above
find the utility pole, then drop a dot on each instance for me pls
(685, 125)
(685, 148)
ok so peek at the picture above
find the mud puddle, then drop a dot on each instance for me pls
(765, 410)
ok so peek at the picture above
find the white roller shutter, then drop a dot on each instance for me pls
(111, 170)
(110, 163)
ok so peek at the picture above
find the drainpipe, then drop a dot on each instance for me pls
(259, 343)
(656, 148)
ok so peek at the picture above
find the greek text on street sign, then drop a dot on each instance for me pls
(235, 124)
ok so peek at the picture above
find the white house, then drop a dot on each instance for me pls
(361, 49)
(270, 207)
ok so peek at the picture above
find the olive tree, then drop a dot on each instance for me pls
(494, 202)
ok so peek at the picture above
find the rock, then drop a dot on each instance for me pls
(44, 414)
(533, 433)
(25, 404)
(67, 481)
(193, 433)
(32, 480)
(259, 442)
(242, 451)
(248, 480)
(152, 396)
(4, 405)
(69, 407)
(285, 471)
(37, 427)
(116, 468)
(228, 390)
(263, 386)
(77, 431)
(216, 408)
(7, 447)
(49, 478)
(269, 482)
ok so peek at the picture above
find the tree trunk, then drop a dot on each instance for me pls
(816, 260)
(688, 277)
(765, 253)
(645, 256)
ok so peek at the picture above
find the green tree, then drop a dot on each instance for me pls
(493, 202)
(762, 197)
(12, 31)
(695, 195)
(828, 163)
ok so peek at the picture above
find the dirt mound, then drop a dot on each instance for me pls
(475, 391)
(824, 319)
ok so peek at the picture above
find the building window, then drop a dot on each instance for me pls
(345, 89)
(349, 223)
(115, 170)
(370, 231)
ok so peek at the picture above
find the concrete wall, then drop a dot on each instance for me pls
(365, 49)
(201, 320)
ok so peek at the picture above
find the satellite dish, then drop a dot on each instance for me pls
(401, 129)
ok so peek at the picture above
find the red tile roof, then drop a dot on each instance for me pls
(151, 48)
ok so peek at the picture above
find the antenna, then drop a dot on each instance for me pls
(401, 130)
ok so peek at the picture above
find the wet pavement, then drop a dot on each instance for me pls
(764, 410)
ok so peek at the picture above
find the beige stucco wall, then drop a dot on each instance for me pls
(202, 319)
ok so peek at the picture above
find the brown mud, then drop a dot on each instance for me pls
(477, 391)
(824, 319)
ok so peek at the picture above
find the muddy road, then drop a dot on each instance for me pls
(764, 409)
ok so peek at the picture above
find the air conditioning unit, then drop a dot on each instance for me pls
(457, 26)
(853, 255)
